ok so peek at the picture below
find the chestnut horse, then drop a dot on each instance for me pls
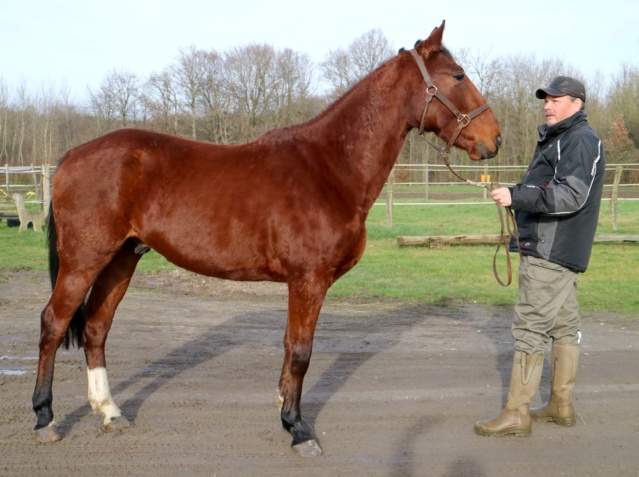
(289, 207)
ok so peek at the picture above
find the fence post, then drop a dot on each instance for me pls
(426, 180)
(486, 178)
(36, 182)
(389, 198)
(6, 181)
(615, 196)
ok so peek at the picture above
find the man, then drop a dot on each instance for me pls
(557, 209)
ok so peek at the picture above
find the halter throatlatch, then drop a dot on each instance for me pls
(464, 120)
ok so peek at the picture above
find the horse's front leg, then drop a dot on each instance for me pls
(305, 301)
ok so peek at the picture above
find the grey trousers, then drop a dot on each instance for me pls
(547, 306)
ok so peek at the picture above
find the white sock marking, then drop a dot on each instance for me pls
(100, 395)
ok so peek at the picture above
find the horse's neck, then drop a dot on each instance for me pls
(367, 128)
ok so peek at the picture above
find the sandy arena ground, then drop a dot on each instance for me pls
(393, 390)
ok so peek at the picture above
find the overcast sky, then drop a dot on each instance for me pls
(77, 42)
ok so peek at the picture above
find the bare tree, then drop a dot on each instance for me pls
(115, 101)
(214, 100)
(482, 69)
(161, 101)
(294, 73)
(124, 88)
(234, 96)
(345, 67)
(189, 73)
(64, 117)
(26, 110)
(369, 51)
(4, 122)
(337, 72)
(250, 82)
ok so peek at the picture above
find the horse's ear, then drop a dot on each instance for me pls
(434, 41)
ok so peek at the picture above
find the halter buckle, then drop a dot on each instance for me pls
(463, 120)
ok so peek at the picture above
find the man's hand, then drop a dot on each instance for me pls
(502, 196)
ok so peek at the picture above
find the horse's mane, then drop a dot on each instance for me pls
(336, 106)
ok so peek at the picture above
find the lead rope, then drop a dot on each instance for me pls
(507, 223)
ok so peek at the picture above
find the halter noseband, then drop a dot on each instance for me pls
(463, 120)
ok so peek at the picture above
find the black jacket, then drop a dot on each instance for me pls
(557, 204)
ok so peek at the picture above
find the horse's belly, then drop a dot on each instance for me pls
(235, 263)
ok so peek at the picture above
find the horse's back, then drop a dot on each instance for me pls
(246, 212)
(129, 164)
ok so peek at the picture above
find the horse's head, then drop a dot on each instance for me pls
(454, 109)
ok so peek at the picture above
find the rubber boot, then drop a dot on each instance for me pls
(515, 417)
(559, 408)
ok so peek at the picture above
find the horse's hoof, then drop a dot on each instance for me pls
(308, 448)
(48, 434)
(117, 424)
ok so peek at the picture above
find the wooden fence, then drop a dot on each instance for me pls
(418, 178)
(33, 182)
(436, 240)
(36, 180)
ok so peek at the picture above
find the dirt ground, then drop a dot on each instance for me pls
(393, 390)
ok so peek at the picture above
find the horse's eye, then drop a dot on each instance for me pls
(459, 76)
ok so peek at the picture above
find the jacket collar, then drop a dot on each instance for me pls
(548, 132)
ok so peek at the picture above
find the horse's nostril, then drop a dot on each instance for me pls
(498, 141)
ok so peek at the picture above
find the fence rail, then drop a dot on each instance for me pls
(438, 174)
(416, 180)
(33, 181)
(405, 181)
(621, 183)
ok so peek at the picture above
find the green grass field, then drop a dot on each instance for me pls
(446, 275)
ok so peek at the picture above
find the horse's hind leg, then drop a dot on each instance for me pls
(70, 290)
(67, 297)
(106, 294)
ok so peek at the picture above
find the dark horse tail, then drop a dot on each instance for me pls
(76, 327)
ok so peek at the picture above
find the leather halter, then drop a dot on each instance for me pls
(508, 223)
(463, 120)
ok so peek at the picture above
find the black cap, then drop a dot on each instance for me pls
(563, 86)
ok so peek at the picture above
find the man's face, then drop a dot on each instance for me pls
(558, 108)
